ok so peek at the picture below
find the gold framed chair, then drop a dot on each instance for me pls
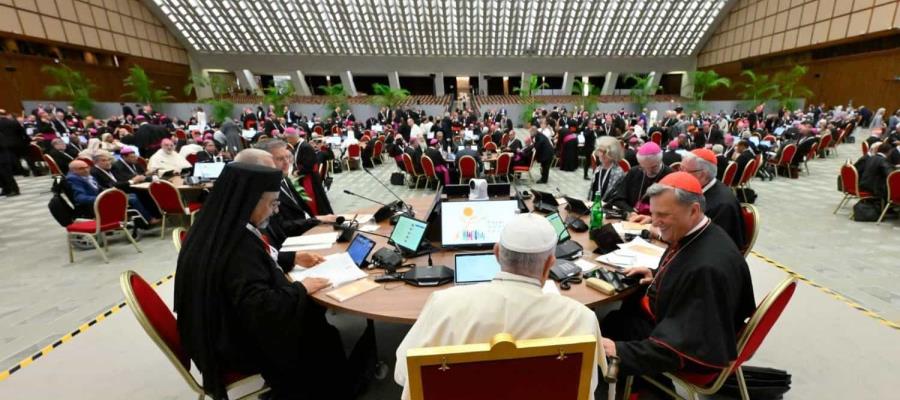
(558, 368)
(158, 322)
(749, 340)
(178, 236)
(750, 215)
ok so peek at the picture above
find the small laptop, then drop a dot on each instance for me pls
(545, 202)
(208, 171)
(565, 247)
(359, 249)
(475, 268)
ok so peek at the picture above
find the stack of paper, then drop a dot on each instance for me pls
(310, 242)
(338, 268)
(636, 253)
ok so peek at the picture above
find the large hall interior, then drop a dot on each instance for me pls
(449, 199)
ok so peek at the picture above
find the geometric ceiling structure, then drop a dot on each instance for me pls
(444, 28)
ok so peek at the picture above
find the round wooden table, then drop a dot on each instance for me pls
(401, 303)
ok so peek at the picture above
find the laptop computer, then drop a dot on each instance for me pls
(545, 202)
(576, 206)
(208, 171)
(359, 249)
(475, 268)
(565, 247)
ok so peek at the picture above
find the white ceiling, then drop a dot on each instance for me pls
(444, 28)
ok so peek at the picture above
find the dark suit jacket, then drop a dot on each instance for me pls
(82, 191)
(122, 173)
(544, 150)
(62, 158)
(106, 182)
(293, 219)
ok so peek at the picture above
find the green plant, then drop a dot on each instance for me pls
(704, 81)
(216, 83)
(641, 91)
(336, 96)
(589, 102)
(221, 109)
(142, 89)
(789, 87)
(526, 92)
(279, 96)
(386, 96)
(757, 89)
(71, 85)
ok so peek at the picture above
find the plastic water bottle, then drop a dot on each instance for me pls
(597, 213)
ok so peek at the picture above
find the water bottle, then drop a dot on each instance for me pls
(597, 212)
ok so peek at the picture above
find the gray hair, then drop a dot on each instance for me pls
(653, 157)
(272, 145)
(710, 170)
(718, 149)
(102, 154)
(255, 156)
(611, 146)
(682, 196)
(525, 264)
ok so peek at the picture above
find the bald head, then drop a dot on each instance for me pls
(80, 168)
(256, 156)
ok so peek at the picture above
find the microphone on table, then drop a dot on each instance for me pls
(386, 211)
(407, 208)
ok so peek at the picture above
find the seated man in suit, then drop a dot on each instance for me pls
(106, 179)
(210, 152)
(512, 302)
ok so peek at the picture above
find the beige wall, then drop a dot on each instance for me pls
(758, 27)
(124, 26)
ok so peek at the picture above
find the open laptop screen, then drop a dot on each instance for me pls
(475, 267)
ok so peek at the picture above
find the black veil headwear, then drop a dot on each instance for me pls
(213, 238)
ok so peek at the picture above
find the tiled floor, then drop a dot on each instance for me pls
(45, 297)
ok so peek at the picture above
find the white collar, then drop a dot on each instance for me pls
(698, 226)
(504, 276)
(709, 185)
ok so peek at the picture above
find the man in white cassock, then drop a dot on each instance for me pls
(512, 302)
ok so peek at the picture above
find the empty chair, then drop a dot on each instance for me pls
(468, 169)
(110, 214)
(168, 200)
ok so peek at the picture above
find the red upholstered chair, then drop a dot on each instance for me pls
(411, 170)
(51, 164)
(750, 215)
(810, 155)
(191, 158)
(318, 130)
(893, 193)
(354, 152)
(825, 145)
(749, 340)
(728, 175)
(428, 170)
(35, 154)
(365, 138)
(169, 202)
(468, 168)
(490, 147)
(656, 137)
(485, 140)
(180, 135)
(142, 162)
(624, 165)
(335, 129)
(558, 368)
(850, 186)
(518, 170)
(158, 322)
(378, 151)
(110, 214)
(504, 141)
(178, 236)
(501, 171)
(784, 160)
(748, 174)
(865, 147)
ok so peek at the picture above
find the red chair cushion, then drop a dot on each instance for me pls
(90, 226)
(765, 324)
(160, 318)
(194, 206)
(531, 378)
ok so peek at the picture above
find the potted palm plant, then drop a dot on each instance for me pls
(71, 85)
(221, 107)
(586, 102)
(757, 90)
(526, 92)
(703, 82)
(386, 96)
(641, 92)
(142, 89)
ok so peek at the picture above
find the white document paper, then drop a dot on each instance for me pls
(360, 218)
(636, 253)
(308, 240)
(338, 268)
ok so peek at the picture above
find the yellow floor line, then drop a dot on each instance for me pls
(884, 321)
(69, 336)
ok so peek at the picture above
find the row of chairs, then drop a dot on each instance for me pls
(850, 189)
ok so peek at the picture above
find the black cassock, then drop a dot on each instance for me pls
(270, 326)
(725, 211)
(633, 186)
(690, 317)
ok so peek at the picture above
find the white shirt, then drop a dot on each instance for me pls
(511, 304)
(416, 132)
(190, 148)
(167, 162)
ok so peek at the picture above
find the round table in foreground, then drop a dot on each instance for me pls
(401, 303)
